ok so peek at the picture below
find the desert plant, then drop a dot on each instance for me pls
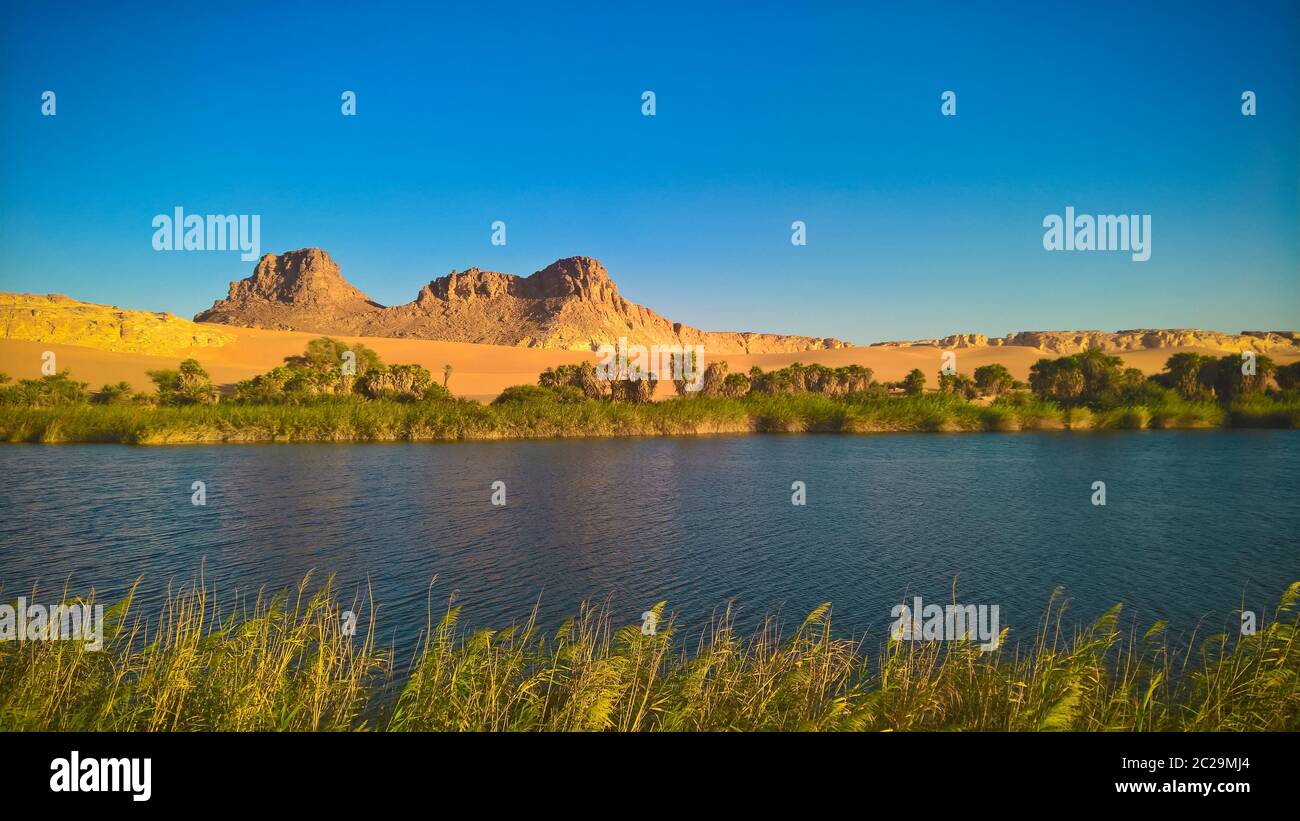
(993, 379)
(914, 383)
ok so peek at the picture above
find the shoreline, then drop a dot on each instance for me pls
(346, 421)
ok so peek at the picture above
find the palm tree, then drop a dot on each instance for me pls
(446, 374)
(994, 379)
(1185, 373)
(914, 382)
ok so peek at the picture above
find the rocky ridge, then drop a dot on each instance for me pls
(60, 319)
(571, 304)
(1070, 342)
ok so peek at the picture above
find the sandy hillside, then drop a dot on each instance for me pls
(479, 371)
(482, 371)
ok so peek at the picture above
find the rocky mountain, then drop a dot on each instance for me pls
(571, 304)
(60, 319)
(1070, 342)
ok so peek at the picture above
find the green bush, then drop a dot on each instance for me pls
(46, 392)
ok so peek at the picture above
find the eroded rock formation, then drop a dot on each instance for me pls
(570, 304)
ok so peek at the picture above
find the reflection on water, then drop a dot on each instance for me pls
(1195, 523)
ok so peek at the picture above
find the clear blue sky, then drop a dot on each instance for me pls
(918, 224)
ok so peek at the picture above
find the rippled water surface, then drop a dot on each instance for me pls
(1196, 523)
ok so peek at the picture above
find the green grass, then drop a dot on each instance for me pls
(283, 663)
(1265, 412)
(349, 419)
(1171, 413)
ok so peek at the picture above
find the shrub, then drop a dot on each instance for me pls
(48, 391)
(957, 384)
(1183, 374)
(437, 393)
(518, 394)
(113, 394)
(1288, 376)
(993, 379)
(685, 371)
(1228, 380)
(735, 386)
(800, 378)
(401, 382)
(189, 385)
(326, 355)
(1089, 378)
(582, 376)
(715, 375)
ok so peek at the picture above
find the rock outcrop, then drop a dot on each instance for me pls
(60, 319)
(297, 291)
(1070, 342)
(571, 304)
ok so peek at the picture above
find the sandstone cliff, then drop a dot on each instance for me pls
(1071, 342)
(59, 319)
(571, 304)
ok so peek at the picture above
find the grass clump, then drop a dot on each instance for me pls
(1256, 411)
(543, 414)
(280, 663)
(285, 663)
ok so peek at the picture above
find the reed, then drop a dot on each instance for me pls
(283, 662)
(547, 415)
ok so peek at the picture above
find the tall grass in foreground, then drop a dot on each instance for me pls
(281, 663)
(284, 664)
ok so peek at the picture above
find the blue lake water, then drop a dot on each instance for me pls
(1196, 524)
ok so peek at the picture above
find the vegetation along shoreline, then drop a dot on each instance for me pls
(336, 392)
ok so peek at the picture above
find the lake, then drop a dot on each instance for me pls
(1195, 524)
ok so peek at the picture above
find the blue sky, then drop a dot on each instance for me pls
(918, 224)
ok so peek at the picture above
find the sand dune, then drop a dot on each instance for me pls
(479, 371)
(482, 371)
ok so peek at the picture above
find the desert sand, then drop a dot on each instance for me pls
(482, 371)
